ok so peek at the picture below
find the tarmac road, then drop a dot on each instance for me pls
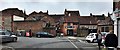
(64, 43)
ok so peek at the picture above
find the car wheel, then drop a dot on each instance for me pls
(88, 41)
(38, 36)
(14, 39)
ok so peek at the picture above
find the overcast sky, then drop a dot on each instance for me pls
(85, 7)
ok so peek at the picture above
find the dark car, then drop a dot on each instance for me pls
(44, 34)
(7, 36)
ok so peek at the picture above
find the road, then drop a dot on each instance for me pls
(50, 43)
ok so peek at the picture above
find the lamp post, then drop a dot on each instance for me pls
(117, 23)
(116, 15)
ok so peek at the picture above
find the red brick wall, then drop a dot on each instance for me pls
(64, 29)
(35, 26)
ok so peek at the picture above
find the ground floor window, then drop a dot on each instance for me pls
(105, 29)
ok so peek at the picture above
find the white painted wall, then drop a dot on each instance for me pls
(17, 18)
(115, 27)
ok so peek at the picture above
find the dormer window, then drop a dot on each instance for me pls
(34, 18)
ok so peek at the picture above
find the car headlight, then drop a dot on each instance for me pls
(13, 36)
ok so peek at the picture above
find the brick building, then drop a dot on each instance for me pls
(36, 21)
(7, 17)
(0, 19)
(68, 23)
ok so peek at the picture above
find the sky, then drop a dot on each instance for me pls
(85, 7)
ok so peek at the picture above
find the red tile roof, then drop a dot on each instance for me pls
(87, 20)
(71, 19)
(107, 21)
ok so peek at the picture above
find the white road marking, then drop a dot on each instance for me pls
(82, 41)
(74, 38)
(73, 44)
(7, 47)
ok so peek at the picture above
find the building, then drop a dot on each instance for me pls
(36, 21)
(0, 20)
(7, 17)
(70, 22)
(88, 26)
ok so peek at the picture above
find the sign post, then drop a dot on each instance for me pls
(116, 18)
(118, 29)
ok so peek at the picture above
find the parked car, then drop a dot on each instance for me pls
(91, 37)
(44, 34)
(7, 36)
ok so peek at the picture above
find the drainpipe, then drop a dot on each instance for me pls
(12, 24)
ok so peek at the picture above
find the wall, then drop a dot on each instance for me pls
(0, 21)
(34, 26)
(64, 29)
(7, 22)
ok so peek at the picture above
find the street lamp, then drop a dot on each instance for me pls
(116, 15)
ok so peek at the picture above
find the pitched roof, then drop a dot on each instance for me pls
(107, 21)
(71, 19)
(57, 17)
(99, 17)
(72, 12)
(35, 13)
(85, 20)
(13, 11)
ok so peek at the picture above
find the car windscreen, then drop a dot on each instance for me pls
(91, 34)
(42, 33)
(2, 32)
(45, 33)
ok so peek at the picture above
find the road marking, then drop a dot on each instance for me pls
(88, 47)
(73, 44)
(7, 48)
(81, 41)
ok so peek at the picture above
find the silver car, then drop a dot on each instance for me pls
(7, 36)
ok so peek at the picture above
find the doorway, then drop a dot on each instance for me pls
(70, 32)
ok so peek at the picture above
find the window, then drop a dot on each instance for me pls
(105, 29)
(7, 33)
(45, 32)
(2, 33)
